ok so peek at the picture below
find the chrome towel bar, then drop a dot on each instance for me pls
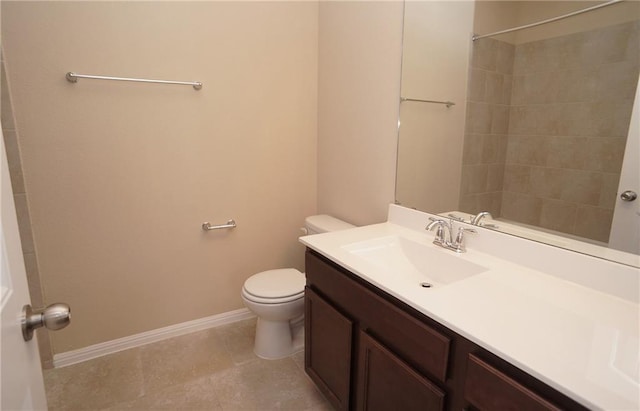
(206, 226)
(73, 78)
(446, 103)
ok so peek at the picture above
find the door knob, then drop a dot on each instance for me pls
(628, 195)
(53, 317)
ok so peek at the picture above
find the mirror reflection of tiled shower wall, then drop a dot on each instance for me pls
(570, 107)
(486, 126)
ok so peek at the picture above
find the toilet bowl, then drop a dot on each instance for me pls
(277, 299)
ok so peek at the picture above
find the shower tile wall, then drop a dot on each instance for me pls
(569, 113)
(486, 128)
(22, 210)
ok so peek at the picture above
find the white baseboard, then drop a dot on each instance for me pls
(147, 337)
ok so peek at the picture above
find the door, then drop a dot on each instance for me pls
(22, 387)
(625, 228)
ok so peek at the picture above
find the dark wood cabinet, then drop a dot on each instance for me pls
(328, 337)
(385, 382)
(488, 388)
(367, 350)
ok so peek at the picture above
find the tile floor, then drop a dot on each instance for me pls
(213, 369)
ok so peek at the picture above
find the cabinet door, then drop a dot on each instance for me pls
(385, 382)
(327, 352)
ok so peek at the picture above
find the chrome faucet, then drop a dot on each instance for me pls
(475, 220)
(444, 226)
(441, 240)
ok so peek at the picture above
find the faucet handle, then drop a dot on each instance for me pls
(459, 243)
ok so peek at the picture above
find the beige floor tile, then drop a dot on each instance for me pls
(96, 383)
(323, 406)
(239, 340)
(298, 358)
(191, 372)
(266, 385)
(193, 395)
(183, 359)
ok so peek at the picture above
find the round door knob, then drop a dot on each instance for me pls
(628, 195)
(54, 317)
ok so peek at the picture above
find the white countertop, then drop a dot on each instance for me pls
(579, 340)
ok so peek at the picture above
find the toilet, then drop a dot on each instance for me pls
(276, 297)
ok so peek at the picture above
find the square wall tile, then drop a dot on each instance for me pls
(567, 152)
(478, 118)
(485, 54)
(472, 149)
(517, 178)
(522, 208)
(474, 179)
(609, 190)
(494, 83)
(593, 223)
(477, 85)
(558, 215)
(500, 119)
(504, 57)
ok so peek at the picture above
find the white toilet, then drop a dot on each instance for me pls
(277, 298)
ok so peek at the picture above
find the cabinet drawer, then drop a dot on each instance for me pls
(487, 388)
(418, 344)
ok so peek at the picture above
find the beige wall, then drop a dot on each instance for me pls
(435, 61)
(360, 46)
(120, 176)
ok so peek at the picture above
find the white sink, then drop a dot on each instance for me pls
(400, 256)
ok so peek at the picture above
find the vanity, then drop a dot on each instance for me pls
(395, 322)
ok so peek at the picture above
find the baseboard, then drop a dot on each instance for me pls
(109, 347)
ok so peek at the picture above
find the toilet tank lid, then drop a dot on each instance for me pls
(324, 223)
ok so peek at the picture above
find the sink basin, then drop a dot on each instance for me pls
(425, 262)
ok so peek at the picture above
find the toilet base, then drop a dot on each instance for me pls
(278, 339)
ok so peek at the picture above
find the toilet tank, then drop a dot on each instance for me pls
(323, 223)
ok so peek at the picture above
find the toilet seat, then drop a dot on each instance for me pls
(275, 286)
(262, 300)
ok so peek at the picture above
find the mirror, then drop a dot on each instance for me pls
(529, 125)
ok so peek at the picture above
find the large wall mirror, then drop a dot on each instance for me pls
(530, 125)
